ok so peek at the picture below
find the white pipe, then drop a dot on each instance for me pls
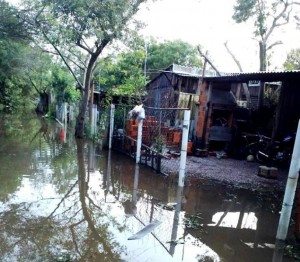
(139, 141)
(184, 142)
(111, 129)
(290, 190)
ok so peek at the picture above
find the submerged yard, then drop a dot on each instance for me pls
(67, 200)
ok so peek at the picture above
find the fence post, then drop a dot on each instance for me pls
(111, 129)
(65, 114)
(139, 141)
(184, 142)
(290, 189)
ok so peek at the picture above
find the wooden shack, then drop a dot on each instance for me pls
(215, 115)
(176, 87)
(286, 114)
(170, 85)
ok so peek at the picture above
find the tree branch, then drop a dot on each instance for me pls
(244, 85)
(274, 44)
(83, 47)
(63, 58)
(208, 61)
(233, 57)
(33, 84)
(276, 19)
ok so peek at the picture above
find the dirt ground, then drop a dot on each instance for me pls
(237, 173)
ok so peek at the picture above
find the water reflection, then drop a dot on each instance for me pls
(67, 198)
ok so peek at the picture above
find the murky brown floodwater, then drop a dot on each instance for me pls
(63, 200)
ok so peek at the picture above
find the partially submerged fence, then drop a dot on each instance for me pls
(162, 131)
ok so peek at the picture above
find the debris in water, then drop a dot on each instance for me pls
(147, 229)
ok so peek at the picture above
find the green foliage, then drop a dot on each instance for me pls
(159, 143)
(15, 92)
(122, 74)
(37, 67)
(162, 55)
(243, 10)
(63, 84)
(271, 95)
(85, 19)
(72, 27)
(267, 15)
(11, 26)
(292, 61)
(193, 221)
(292, 252)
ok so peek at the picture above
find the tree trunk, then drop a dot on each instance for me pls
(81, 118)
(43, 105)
(262, 67)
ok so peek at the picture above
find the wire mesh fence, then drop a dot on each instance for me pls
(161, 137)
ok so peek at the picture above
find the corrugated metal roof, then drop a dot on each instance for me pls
(262, 75)
(188, 71)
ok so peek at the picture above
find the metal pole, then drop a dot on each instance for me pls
(184, 142)
(290, 189)
(139, 141)
(111, 130)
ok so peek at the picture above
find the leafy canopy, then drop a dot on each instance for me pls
(161, 55)
(11, 26)
(293, 60)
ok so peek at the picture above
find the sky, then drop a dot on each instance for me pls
(209, 23)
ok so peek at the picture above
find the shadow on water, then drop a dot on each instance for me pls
(67, 200)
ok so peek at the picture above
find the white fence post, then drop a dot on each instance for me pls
(139, 141)
(184, 142)
(111, 129)
(290, 189)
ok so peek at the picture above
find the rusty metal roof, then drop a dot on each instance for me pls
(265, 76)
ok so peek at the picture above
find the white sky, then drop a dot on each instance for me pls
(210, 24)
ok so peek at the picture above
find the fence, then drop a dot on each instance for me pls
(161, 137)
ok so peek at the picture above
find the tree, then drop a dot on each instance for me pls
(11, 26)
(161, 55)
(122, 74)
(292, 61)
(37, 67)
(80, 26)
(268, 16)
(14, 43)
(48, 76)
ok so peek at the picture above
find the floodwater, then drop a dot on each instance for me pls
(68, 200)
